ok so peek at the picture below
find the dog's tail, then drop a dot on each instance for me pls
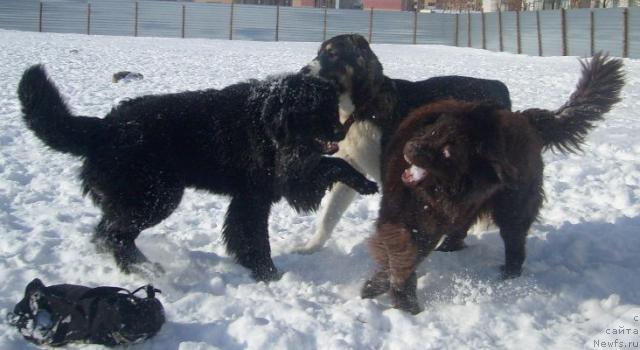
(597, 91)
(46, 114)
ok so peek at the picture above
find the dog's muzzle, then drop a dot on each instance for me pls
(313, 68)
(327, 147)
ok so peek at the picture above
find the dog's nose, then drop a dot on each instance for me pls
(312, 68)
(339, 132)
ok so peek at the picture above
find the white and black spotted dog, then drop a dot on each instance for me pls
(373, 105)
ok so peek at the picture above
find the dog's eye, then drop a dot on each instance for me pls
(434, 133)
(331, 53)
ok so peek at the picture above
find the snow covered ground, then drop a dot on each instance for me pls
(580, 278)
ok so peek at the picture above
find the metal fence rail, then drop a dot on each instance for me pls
(578, 32)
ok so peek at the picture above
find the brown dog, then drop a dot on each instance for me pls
(450, 162)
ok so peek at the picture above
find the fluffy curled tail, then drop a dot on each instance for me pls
(47, 115)
(597, 91)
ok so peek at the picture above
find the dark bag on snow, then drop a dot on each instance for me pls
(64, 313)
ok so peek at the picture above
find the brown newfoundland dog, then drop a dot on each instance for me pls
(453, 161)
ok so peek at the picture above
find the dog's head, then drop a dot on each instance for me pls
(302, 110)
(454, 147)
(348, 61)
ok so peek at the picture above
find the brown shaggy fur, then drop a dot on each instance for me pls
(450, 162)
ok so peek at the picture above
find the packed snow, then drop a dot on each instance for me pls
(581, 276)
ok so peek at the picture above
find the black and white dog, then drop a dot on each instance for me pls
(256, 141)
(374, 105)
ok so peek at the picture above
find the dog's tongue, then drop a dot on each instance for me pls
(330, 147)
(327, 147)
(414, 175)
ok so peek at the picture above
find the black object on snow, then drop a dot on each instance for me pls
(126, 76)
(64, 313)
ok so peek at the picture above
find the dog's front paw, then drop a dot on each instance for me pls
(265, 274)
(409, 305)
(366, 187)
(307, 249)
(406, 301)
(510, 272)
(378, 284)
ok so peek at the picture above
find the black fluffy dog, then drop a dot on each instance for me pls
(255, 141)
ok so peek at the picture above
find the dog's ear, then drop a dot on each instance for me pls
(293, 98)
(360, 43)
(274, 115)
(34, 286)
(368, 77)
(365, 56)
(363, 52)
(303, 95)
(491, 143)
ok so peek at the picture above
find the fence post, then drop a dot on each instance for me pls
(231, 21)
(593, 33)
(484, 30)
(40, 18)
(135, 21)
(457, 30)
(468, 29)
(415, 27)
(500, 30)
(518, 33)
(277, 20)
(625, 33)
(539, 33)
(563, 23)
(88, 18)
(324, 26)
(370, 24)
(184, 15)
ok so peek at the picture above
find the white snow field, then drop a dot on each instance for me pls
(581, 276)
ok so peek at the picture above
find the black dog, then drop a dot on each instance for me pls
(380, 104)
(255, 141)
(452, 161)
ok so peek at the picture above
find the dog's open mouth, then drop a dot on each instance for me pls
(327, 147)
(413, 175)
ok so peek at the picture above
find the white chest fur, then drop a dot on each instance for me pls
(361, 148)
(346, 107)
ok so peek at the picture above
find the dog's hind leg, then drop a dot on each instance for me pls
(246, 234)
(117, 236)
(126, 215)
(514, 238)
(514, 215)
